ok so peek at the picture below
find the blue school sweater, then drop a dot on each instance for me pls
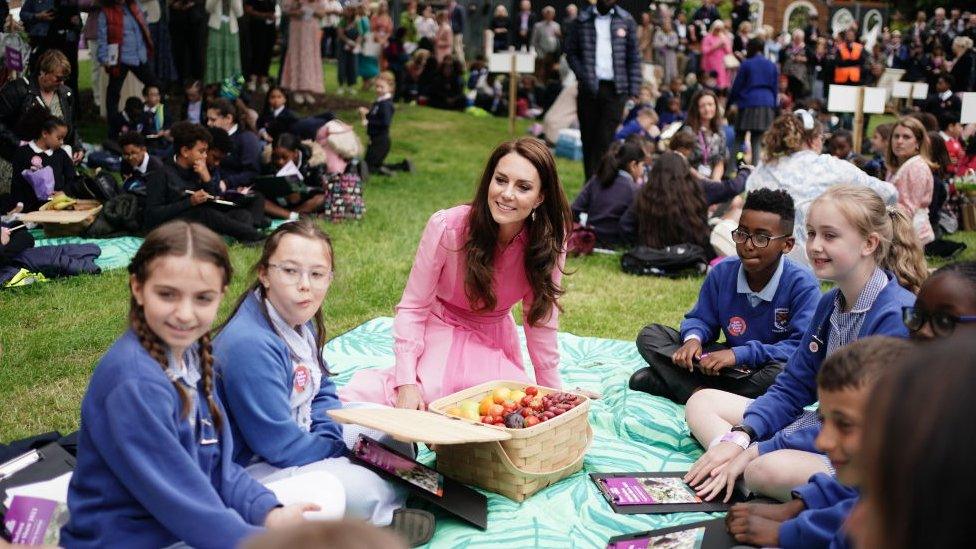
(254, 381)
(828, 504)
(143, 478)
(768, 332)
(796, 385)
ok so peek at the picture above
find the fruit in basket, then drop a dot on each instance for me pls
(516, 395)
(509, 406)
(537, 404)
(469, 410)
(531, 391)
(531, 421)
(501, 394)
(514, 421)
(485, 405)
(453, 411)
(496, 410)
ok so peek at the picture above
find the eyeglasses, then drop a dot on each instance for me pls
(292, 276)
(943, 324)
(759, 240)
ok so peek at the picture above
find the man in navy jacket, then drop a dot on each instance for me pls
(601, 49)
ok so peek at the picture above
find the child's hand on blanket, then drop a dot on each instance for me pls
(725, 479)
(289, 515)
(712, 462)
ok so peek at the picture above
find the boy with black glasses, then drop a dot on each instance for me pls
(760, 301)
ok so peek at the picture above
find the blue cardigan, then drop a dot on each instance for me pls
(768, 332)
(255, 381)
(828, 504)
(796, 386)
(756, 84)
(143, 477)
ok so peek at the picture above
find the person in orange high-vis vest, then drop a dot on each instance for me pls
(849, 60)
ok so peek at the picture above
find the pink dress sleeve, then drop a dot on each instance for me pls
(541, 340)
(410, 321)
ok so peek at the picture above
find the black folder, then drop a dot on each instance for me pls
(457, 499)
(716, 535)
(50, 461)
(273, 186)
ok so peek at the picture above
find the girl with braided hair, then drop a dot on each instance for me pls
(277, 386)
(154, 451)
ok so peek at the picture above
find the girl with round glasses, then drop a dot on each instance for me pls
(946, 303)
(276, 385)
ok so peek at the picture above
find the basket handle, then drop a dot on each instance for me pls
(512, 468)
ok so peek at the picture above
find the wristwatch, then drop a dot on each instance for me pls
(749, 431)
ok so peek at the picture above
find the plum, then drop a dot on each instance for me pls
(514, 421)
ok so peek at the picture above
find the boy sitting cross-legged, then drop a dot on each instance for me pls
(761, 301)
(816, 514)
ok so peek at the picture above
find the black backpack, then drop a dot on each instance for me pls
(101, 186)
(671, 261)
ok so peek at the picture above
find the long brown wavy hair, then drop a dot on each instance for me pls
(179, 239)
(306, 228)
(921, 137)
(546, 230)
(694, 120)
(671, 206)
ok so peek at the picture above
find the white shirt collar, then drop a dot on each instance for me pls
(384, 97)
(767, 293)
(144, 165)
(277, 111)
(232, 130)
(39, 150)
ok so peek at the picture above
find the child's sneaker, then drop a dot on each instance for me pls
(406, 165)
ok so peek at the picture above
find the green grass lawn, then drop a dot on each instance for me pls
(53, 334)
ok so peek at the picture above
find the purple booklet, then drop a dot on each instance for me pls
(648, 490)
(35, 521)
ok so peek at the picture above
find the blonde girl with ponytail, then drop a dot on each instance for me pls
(871, 254)
(154, 462)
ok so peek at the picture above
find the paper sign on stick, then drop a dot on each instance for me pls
(901, 90)
(842, 98)
(874, 100)
(968, 114)
(502, 62)
(920, 90)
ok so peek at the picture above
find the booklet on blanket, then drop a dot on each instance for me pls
(710, 534)
(652, 493)
(422, 481)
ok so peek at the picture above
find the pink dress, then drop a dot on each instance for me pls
(914, 182)
(714, 49)
(303, 60)
(439, 342)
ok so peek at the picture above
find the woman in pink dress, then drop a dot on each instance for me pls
(453, 327)
(302, 73)
(909, 161)
(715, 46)
(444, 39)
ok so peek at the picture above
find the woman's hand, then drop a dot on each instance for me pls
(409, 397)
(712, 462)
(725, 479)
(289, 515)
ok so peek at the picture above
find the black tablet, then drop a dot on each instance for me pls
(457, 499)
(655, 492)
(710, 534)
(272, 186)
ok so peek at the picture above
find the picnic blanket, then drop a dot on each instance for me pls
(633, 432)
(116, 252)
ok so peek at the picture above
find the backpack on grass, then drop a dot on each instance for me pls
(670, 261)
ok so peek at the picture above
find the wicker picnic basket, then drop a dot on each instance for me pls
(72, 221)
(529, 460)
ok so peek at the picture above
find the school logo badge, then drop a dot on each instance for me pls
(737, 326)
(781, 317)
(302, 378)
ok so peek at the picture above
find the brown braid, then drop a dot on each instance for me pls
(154, 347)
(206, 368)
